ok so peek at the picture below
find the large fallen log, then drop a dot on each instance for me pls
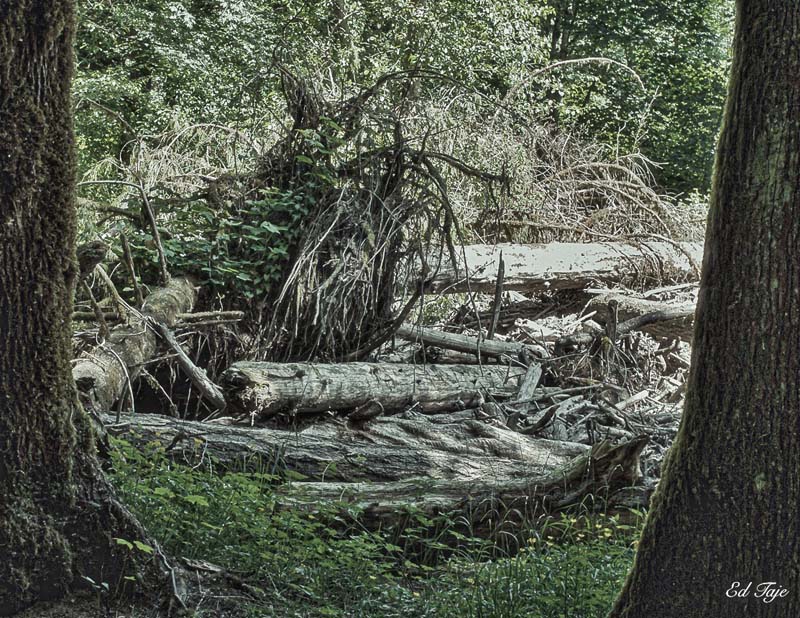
(600, 474)
(268, 388)
(105, 374)
(388, 449)
(568, 266)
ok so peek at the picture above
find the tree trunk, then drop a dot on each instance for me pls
(464, 343)
(725, 514)
(568, 266)
(58, 516)
(489, 505)
(387, 449)
(630, 307)
(269, 388)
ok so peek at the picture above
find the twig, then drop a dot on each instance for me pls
(498, 297)
(126, 252)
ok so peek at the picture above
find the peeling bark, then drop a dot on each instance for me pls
(269, 388)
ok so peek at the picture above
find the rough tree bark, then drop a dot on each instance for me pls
(725, 515)
(58, 515)
(386, 449)
(269, 388)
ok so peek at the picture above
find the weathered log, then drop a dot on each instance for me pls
(568, 266)
(676, 320)
(269, 388)
(680, 316)
(471, 345)
(599, 473)
(103, 375)
(388, 449)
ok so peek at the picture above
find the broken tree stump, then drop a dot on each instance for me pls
(105, 374)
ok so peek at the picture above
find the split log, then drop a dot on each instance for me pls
(105, 374)
(388, 449)
(568, 266)
(269, 388)
(600, 473)
(471, 345)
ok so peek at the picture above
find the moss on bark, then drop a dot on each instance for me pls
(57, 513)
(726, 508)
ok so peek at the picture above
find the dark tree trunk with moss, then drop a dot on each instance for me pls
(57, 513)
(726, 510)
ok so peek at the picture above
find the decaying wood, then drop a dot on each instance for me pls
(600, 473)
(470, 345)
(269, 388)
(210, 391)
(387, 449)
(666, 319)
(676, 314)
(498, 297)
(568, 266)
(104, 374)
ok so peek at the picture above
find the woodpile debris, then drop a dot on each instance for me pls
(576, 395)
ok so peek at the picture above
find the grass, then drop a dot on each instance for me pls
(325, 565)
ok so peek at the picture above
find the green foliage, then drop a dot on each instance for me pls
(237, 249)
(142, 64)
(323, 564)
(679, 49)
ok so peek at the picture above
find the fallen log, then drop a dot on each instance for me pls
(668, 319)
(388, 449)
(269, 388)
(103, 375)
(486, 504)
(471, 345)
(568, 266)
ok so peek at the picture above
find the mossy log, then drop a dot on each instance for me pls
(102, 375)
(268, 388)
(607, 475)
(568, 266)
(386, 449)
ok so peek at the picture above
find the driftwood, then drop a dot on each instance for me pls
(471, 345)
(269, 388)
(387, 449)
(568, 266)
(104, 375)
(599, 475)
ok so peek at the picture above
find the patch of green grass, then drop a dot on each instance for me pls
(325, 565)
